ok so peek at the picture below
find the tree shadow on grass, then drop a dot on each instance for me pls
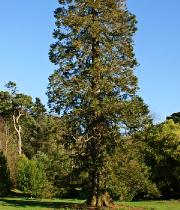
(25, 203)
(38, 204)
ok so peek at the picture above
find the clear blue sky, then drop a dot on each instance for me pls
(26, 33)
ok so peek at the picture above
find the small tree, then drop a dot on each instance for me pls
(31, 178)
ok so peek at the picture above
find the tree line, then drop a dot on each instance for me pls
(97, 140)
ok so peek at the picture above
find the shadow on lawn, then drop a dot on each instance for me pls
(25, 203)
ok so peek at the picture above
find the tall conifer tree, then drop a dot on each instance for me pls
(94, 82)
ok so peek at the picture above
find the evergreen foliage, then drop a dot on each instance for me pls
(31, 177)
(99, 141)
(13, 107)
(4, 175)
(175, 117)
(163, 156)
(94, 86)
(129, 176)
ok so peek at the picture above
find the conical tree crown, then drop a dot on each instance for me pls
(94, 52)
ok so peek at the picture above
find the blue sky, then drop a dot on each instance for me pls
(26, 33)
(157, 45)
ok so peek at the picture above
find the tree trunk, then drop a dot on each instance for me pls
(103, 200)
(19, 143)
(17, 127)
(97, 197)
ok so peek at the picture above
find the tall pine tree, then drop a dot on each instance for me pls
(93, 84)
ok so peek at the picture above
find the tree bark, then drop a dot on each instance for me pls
(103, 200)
(98, 198)
(7, 138)
(18, 129)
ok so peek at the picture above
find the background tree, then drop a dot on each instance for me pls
(163, 156)
(14, 106)
(8, 140)
(129, 176)
(94, 83)
(175, 117)
(35, 130)
(4, 175)
(6, 116)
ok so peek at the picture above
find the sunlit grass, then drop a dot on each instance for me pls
(155, 205)
(70, 204)
(45, 204)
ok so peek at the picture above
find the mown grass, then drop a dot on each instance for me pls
(155, 205)
(68, 204)
(33, 204)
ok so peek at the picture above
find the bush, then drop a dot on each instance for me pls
(129, 177)
(132, 181)
(31, 178)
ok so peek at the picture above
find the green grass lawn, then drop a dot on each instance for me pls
(155, 205)
(68, 204)
(31, 204)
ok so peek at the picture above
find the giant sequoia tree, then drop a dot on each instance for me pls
(93, 84)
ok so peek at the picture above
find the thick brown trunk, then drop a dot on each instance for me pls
(97, 197)
(103, 200)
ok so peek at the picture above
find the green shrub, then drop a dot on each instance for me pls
(32, 178)
(132, 181)
(129, 177)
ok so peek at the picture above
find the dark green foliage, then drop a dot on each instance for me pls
(94, 83)
(38, 110)
(13, 107)
(135, 115)
(163, 156)
(100, 140)
(12, 101)
(60, 171)
(31, 177)
(175, 117)
(4, 176)
(11, 86)
(129, 177)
